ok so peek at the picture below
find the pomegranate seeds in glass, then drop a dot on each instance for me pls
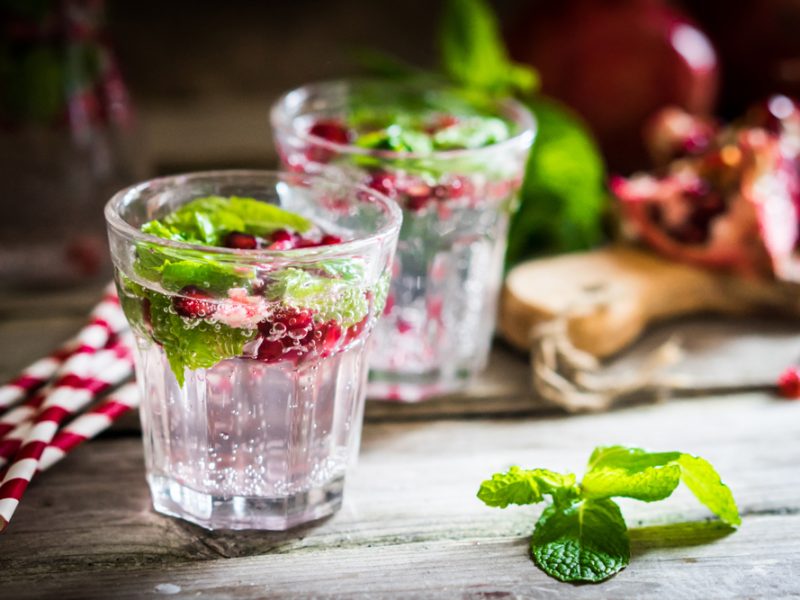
(454, 162)
(252, 296)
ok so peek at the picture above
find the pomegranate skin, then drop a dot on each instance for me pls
(616, 63)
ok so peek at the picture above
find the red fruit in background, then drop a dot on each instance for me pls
(789, 383)
(617, 63)
(194, 303)
(758, 43)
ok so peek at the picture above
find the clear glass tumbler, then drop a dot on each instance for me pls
(252, 404)
(437, 327)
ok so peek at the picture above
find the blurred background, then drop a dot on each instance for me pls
(96, 95)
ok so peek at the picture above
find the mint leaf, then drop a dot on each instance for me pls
(632, 473)
(210, 275)
(194, 344)
(563, 196)
(473, 53)
(704, 482)
(587, 541)
(472, 132)
(261, 218)
(519, 486)
(649, 476)
(209, 219)
(330, 298)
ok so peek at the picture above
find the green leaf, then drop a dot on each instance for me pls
(261, 217)
(193, 343)
(473, 53)
(209, 219)
(519, 486)
(210, 275)
(587, 541)
(649, 476)
(632, 473)
(705, 483)
(472, 132)
(563, 196)
(330, 298)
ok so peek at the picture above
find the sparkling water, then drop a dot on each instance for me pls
(436, 331)
(246, 444)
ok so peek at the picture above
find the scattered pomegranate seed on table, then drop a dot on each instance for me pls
(789, 383)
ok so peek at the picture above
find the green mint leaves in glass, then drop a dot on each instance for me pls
(454, 161)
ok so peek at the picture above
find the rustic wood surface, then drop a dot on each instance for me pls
(411, 526)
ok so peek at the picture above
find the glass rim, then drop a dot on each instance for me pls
(282, 121)
(121, 227)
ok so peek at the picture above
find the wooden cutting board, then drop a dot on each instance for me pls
(611, 295)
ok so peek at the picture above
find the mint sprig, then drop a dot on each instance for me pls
(582, 536)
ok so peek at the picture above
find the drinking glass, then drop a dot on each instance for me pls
(438, 324)
(252, 407)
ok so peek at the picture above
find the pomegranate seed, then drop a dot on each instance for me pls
(194, 303)
(241, 241)
(287, 335)
(389, 304)
(329, 240)
(383, 182)
(354, 331)
(403, 326)
(330, 130)
(789, 383)
(330, 334)
(282, 239)
(417, 196)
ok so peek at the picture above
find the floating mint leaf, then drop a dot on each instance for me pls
(472, 132)
(210, 276)
(587, 541)
(519, 486)
(261, 218)
(632, 473)
(330, 298)
(705, 483)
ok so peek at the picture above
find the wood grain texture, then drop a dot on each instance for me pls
(412, 526)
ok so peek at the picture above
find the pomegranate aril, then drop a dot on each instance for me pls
(329, 240)
(383, 182)
(194, 303)
(789, 383)
(330, 130)
(241, 241)
(417, 196)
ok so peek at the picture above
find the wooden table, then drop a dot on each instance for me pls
(411, 525)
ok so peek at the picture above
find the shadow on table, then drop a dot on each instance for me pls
(676, 535)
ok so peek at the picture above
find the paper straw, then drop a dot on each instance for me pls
(105, 320)
(90, 424)
(62, 402)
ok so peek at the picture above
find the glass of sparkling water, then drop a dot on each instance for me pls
(437, 152)
(251, 360)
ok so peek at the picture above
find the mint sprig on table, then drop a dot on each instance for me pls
(582, 536)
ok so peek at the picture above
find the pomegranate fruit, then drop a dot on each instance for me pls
(730, 202)
(616, 63)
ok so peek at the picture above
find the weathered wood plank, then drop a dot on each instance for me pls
(411, 501)
(760, 561)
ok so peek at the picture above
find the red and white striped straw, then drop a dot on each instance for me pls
(87, 373)
(60, 404)
(106, 320)
(90, 424)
